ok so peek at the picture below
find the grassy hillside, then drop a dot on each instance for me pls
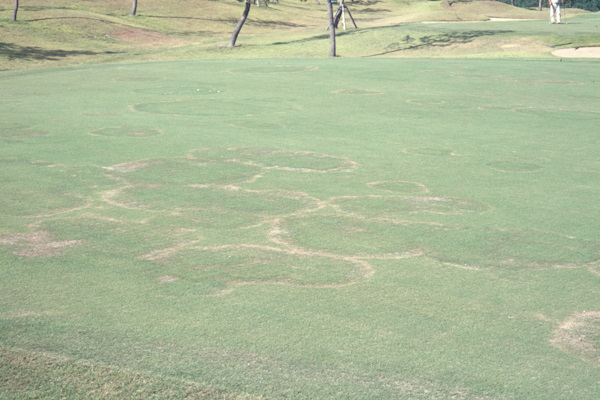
(60, 32)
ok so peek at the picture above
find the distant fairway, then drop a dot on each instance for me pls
(301, 228)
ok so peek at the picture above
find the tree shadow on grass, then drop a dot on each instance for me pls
(409, 42)
(233, 21)
(16, 52)
(438, 40)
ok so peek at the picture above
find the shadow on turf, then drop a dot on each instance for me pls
(439, 40)
(413, 43)
(13, 52)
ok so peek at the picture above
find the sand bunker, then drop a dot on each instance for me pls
(578, 52)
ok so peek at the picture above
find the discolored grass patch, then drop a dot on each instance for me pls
(399, 187)
(213, 205)
(31, 188)
(580, 335)
(10, 130)
(430, 151)
(183, 171)
(218, 269)
(135, 131)
(512, 248)
(274, 69)
(24, 372)
(184, 90)
(36, 244)
(513, 166)
(259, 125)
(464, 247)
(208, 108)
(397, 207)
(357, 91)
(354, 237)
(303, 161)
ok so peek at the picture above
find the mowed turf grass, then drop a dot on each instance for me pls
(349, 228)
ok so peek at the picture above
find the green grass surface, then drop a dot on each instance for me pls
(60, 32)
(301, 228)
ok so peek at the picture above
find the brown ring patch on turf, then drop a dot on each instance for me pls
(213, 206)
(184, 171)
(217, 270)
(397, 207)
(579, 334)
(400, 187)
(543, 81)
(504, 248)
(460, 247)
(430, 151)
(539, 111)
(425, 102)
(201, 107)
(475, 75)
(352, 236)
(101, 114)
(367, 92)
(36, 244)
(285, 160)
(259, 125)
(594, 268)
(167, 278)
(273, 69)
(180, 90)
(39, 189)
(9, 130)
(514, 166)
(138, 78)
(124, 131)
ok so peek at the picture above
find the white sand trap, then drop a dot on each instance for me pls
(494, 19)
(580, 52)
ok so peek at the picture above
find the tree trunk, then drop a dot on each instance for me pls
(540, 6)
(240, 23)
(331, 29)
(16, 10)
(134, 9)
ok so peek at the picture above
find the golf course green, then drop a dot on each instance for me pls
(301, 228)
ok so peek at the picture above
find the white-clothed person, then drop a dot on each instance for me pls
(555, 11)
